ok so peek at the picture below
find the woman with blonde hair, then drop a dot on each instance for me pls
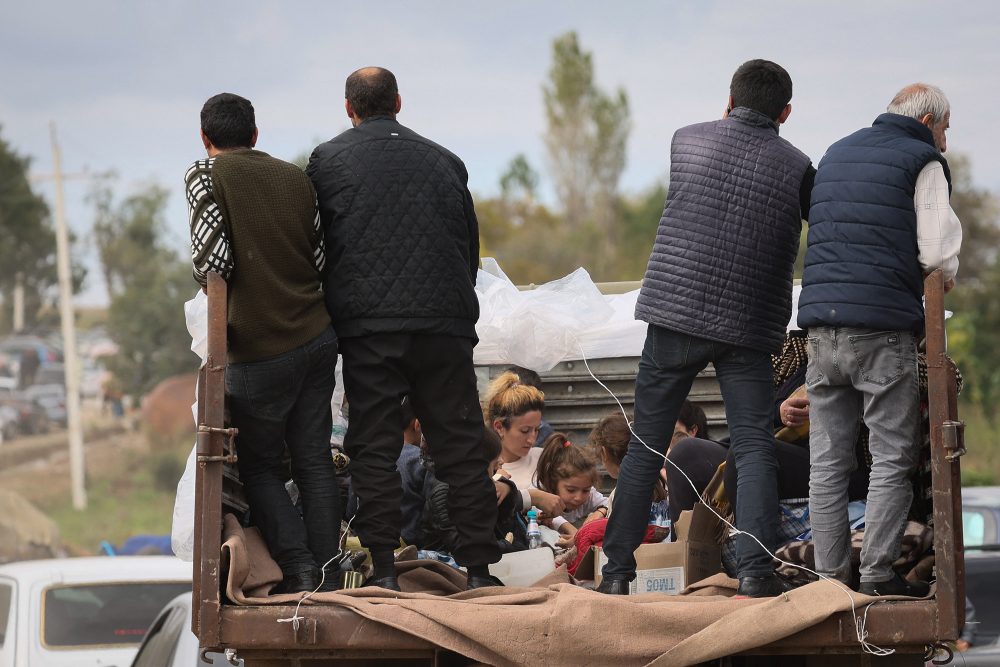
(514, 411)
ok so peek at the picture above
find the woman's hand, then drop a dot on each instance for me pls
(549, 503)
(794, 411)
(503, 490)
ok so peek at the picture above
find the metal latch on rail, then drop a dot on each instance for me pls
(228, 435)
(953, 436)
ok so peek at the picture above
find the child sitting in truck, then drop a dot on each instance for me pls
(610, 439)
(570, 473)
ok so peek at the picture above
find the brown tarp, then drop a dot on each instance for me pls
(554, 622)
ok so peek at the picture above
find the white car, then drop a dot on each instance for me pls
(171, 643)
(83, 612)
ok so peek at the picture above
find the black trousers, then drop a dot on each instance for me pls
(437, 373)
(283, 402)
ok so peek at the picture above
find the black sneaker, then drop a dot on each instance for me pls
(388, 583)
(895, 586)
(613, 586)
(763, 587)
(300, 582)
(480, 581)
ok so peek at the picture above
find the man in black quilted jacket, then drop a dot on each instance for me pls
(403, 246)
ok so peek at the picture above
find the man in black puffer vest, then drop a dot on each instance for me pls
(881, 220)
(403, 246)
(718, 290)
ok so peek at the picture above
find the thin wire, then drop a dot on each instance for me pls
(859, 623)
(295, 618)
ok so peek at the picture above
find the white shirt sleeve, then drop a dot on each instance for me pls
(939, 232)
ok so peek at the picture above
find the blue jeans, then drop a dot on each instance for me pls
(285, 401)
(670, 361)
(855, 374)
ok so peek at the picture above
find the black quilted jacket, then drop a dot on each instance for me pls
(402, 237)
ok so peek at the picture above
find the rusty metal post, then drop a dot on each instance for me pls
(947, 445)
(206, 618)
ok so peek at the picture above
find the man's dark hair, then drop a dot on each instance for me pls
(372, 92)
(527, 376)
(228, 121)
(691, 415)
(762, 86)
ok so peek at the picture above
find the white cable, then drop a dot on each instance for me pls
(862, 633)
(295, 618)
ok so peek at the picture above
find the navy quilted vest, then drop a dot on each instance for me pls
(721, 266)
(862, 265)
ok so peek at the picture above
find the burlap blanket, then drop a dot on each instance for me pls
(555, 622)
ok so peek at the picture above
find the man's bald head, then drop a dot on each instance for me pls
(372, 91)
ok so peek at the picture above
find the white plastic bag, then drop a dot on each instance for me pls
(182, 528)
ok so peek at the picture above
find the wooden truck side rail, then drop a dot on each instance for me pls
(333, 634)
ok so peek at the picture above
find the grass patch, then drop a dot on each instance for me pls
(981, 465)
(122, 500)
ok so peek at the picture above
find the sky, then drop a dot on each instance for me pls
(124, 81)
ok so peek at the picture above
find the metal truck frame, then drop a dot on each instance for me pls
(336, 636)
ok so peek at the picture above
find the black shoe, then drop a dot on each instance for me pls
(299, 582)
(613, 586)
(895, 586)
(388, 583)
(763, 587)
(480, 581)
(330, 583)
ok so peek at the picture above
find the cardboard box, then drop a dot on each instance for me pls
(668, 567)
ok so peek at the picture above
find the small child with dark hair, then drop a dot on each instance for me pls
(438, 531)
(570, 473)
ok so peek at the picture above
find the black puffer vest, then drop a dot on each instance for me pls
(721, 266)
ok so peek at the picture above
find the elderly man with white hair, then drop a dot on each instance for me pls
(880, 220)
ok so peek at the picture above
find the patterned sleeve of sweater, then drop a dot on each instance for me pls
(210, 249)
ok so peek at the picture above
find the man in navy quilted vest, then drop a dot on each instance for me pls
(718, 290)
(403, 248)
(881, 220)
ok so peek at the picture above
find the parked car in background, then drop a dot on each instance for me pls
(171, 643)
(53, 374)
(31, 416)
(81, 612)
(8, 423)
(981, 536)
(52, 398)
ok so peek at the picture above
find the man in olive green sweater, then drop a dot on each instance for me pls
(254, 221)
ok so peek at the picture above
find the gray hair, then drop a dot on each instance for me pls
(919, 99)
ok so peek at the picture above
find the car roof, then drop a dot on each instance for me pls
(981, 495)
(99, 569)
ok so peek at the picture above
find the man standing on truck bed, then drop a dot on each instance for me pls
(403, 241)
(718, 290)
(254, 221)
(882, 219)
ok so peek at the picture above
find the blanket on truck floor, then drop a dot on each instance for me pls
(554, 622)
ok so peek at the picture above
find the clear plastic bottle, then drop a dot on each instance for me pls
(534, 534)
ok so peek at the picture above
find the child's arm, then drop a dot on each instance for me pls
(599, 503)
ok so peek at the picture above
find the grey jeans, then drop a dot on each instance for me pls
(854, 374)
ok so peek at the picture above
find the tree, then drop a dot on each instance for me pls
(147, 284)
(974, 331)
(128, 234)
(27, 240)
(586, 140)
(520, 181)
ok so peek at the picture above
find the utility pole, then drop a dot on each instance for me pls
(19, 302)
(66, 315)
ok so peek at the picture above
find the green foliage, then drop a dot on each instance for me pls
(27, 240)
(586, 137)
(148, 285)
(520, 181)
